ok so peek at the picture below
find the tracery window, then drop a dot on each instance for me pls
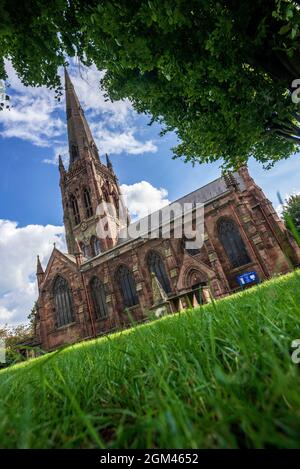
(105, 194)
(85, 250)
(74, 153)
(75, 209)
(87, 202)
(156, 265)
(232, 242)
(127, 286)
(96, 246)
(116, 202)
(99, 298)
(62, 302)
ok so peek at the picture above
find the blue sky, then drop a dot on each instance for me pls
(33, 133)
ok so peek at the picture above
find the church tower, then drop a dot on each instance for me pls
(94, 212)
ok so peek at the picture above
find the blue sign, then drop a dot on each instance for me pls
(247, 277)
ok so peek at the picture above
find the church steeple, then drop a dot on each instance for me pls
(81, 142)
(108, 162)
(87, 186)
(61, 165)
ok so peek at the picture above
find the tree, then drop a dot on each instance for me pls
(220, 74)
(12, 337)
(291, 211)
(32, 319)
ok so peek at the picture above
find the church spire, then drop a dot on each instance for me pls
(61, 165)
(85, 184)
(39, 272)
(81, 142)
(108, 162)
(39, 268)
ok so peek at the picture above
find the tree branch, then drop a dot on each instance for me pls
(292, 138)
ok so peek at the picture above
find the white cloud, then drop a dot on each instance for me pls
(36, 116)
(19, 247)
(109, 141)
(59, 150)
(142, 198)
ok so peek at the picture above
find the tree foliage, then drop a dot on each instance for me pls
(291, 211)
(14, 336)
(218, 73)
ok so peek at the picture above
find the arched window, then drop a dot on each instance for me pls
(105, 194)
(85, 250)
(74, 153)
(127, 286)
(116, 202)
(62, 302)
(96, 246)
(232, 242)
(99, 298)
(156, 265)
(74, 205)
(87, 202)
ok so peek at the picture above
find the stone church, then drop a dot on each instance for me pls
(103, 284)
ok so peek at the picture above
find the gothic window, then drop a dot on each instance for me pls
(116, 202)
(156, 265)
(232, 242)
(96, 246)
(105, 194)
(99, 298)
(74, 205)
(62, 302)
(84, 249)
(87, 203)
(127, 286)
(74, 153)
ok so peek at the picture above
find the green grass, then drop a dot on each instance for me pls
(218, 376)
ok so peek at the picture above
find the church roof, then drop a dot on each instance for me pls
(204, 195)
(210, 191)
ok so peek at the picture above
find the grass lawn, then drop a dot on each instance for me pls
(220, 376)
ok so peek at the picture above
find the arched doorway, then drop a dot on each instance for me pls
(195, 281)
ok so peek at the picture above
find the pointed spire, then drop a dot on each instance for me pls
(79, 134)
(39, 273)
(108, 162)
(61, 165)
(39, 268)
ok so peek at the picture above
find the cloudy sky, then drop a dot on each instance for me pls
(33, 134)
